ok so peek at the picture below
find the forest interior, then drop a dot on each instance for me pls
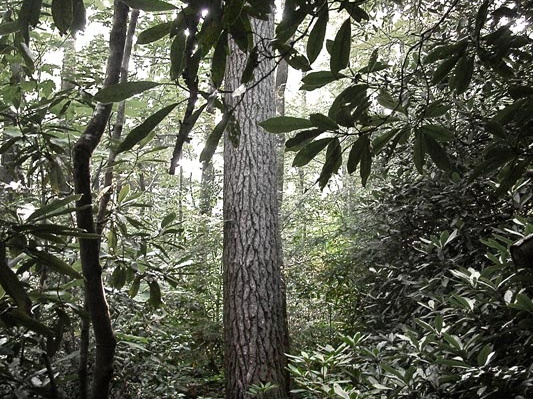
(266, 199)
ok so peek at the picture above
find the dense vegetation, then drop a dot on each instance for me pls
(406, 209)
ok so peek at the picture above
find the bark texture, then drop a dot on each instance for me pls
(89, 248)
(255, 325)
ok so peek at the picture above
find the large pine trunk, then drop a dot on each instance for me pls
(255, 326)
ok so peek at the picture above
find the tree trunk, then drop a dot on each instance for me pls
(117, 129)
(255, 327)
(89, 247)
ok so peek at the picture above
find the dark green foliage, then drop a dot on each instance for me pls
(122, 91)
(141, 132)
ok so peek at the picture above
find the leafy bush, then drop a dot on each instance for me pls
(474, 340)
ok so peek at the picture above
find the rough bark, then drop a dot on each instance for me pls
(255, 327)
(207, 190)
(89, 247)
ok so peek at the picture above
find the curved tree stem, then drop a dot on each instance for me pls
(89, 247)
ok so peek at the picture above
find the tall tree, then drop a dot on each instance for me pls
(255, 327)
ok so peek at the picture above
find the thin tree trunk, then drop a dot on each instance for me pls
(255, 326)
(83, 372)
(89, 248)
(119, 125)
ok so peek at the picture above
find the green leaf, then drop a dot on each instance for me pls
(27, 55)
(80, 16)
(518, 91)
(306, 154)
(241, 31)
(154, 33)
(208, 36)
(340, 52)
(212, 141)
(462, 74)
(354, 158)
(218, 62)
(444, 69)
(333, 162)
(441, 52)
(436, 109)
(315, 80)
(392, 371)
(63, 14)
(134, 287)
(177, 55)
(23, 319)
(340, 392)
(481, 16)
(150, 5)
(13, 287)
(356, 12)
(386, 100)
(454, 341)
(378, 66)
(124, 191)
(381, 141)
(365, 163)
(55, 264)
(168, 219)
(232, 11)
(485, 355)
(290, 21)
(118, 278)
(155, 294)
(437, 154)
(438, 133)
(323, 122)
(9, 27)
(30, 12)
(439, 322)
(138, 133)
(463, 302)
(251, 64)
(121, 91)
(316, 37)
(419, 152)
(45, 211)
(284, 124)
(302, 138)
(373, 59)
(351, 95)
(522, 302)
(298, 61)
